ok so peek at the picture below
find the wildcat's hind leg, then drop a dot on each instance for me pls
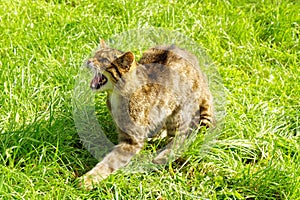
(171, 151)
(180, 131)
(183, 130)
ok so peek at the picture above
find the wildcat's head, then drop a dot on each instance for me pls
(109, 65)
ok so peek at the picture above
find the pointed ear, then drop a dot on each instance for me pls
(125, 61)
(102, 44)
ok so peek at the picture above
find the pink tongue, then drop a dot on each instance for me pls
(95, 83)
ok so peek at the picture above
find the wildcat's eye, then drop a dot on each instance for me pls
(103, 60)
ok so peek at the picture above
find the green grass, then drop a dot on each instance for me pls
(255, 45)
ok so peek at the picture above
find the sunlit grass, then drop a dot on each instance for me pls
(254, 44)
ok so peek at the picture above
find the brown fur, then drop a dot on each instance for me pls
(164, 90)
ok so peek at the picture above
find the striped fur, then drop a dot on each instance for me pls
(164, 90)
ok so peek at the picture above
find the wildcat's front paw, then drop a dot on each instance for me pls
(88, 182)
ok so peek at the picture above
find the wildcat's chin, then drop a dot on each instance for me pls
(98, 81)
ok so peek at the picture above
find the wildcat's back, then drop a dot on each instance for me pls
(189, 79)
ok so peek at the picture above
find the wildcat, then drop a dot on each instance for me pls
(165, 90)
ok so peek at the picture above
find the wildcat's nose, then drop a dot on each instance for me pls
(88, 62)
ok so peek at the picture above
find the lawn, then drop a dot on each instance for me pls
(255, 46)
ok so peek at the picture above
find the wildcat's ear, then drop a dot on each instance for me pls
(125, 61)
(102, 44)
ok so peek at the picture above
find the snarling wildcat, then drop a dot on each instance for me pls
(165, 90)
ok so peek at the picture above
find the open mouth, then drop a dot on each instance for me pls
(98, 81)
